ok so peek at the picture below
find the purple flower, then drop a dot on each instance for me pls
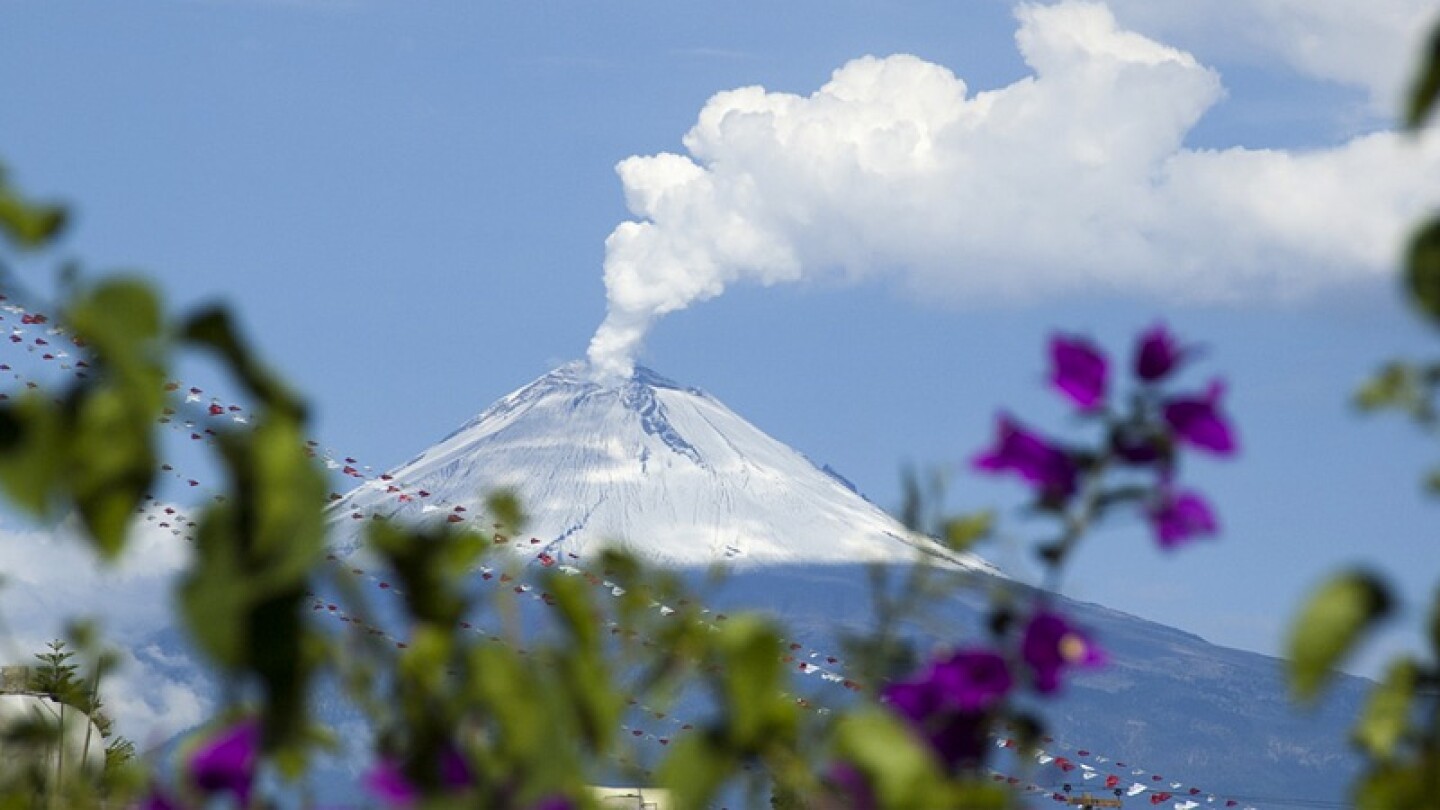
(1198, 421)
(1032, 458)
(227, 762)
(947, 704)
(157, 800)
(851, 786)
(388, 783)
(1157, 354)
(971, 680)
(1180, 517)
(1050, 645)
(553, 803)
(454, 770)
(1078, 370)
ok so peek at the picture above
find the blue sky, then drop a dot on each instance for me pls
(409, 207)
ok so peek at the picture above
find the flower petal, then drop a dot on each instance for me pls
(227, 762)
(1032, 458)
(1197, 421)
(1179, 518)
(1157, 354)
(1078, 370)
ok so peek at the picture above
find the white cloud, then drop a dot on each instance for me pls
(51, 578)
(1372, 45)
(1071, 180)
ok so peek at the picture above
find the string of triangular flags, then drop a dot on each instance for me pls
(808, 661)
(1135, 784)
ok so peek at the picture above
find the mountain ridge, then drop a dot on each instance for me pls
(665, 470)
(685, 483)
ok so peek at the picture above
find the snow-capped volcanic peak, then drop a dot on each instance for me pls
(665, 471)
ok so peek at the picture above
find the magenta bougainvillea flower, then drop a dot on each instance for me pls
(1157, 354)
(1078, 370)
(454, 770)
(157, 800)
(1179, 517)
(947, 703)
(388, 783)
(226, 764)
(851, 787)
(1051, 644)
(1197, 421)
(1032, 458)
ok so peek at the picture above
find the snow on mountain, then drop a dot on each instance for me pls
(677, 478)
(665, 471)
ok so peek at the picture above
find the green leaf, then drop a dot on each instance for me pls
(34, 447)
(286, 496)
(1432, 482)
(425, 662)
(975, 794)
(1422, 270)
(596, 706)
(243, 595)
(1328, 627)
(28, 225)
(121, 320)
(902, 773)
(431, 563)
(572, 599)
(214, 328)
(213, 598)
(1395, 385)
(112, 464)
(1425, 84)
(695, 769)
(1389, 787)
(1387, 711)
(963, 532)
(504, 507)
(753, 670)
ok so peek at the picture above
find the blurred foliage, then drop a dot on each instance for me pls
(1398, 730)
(460, 718)
(1331, 624)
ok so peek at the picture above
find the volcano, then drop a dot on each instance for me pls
(666, 472)
(670, 474)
